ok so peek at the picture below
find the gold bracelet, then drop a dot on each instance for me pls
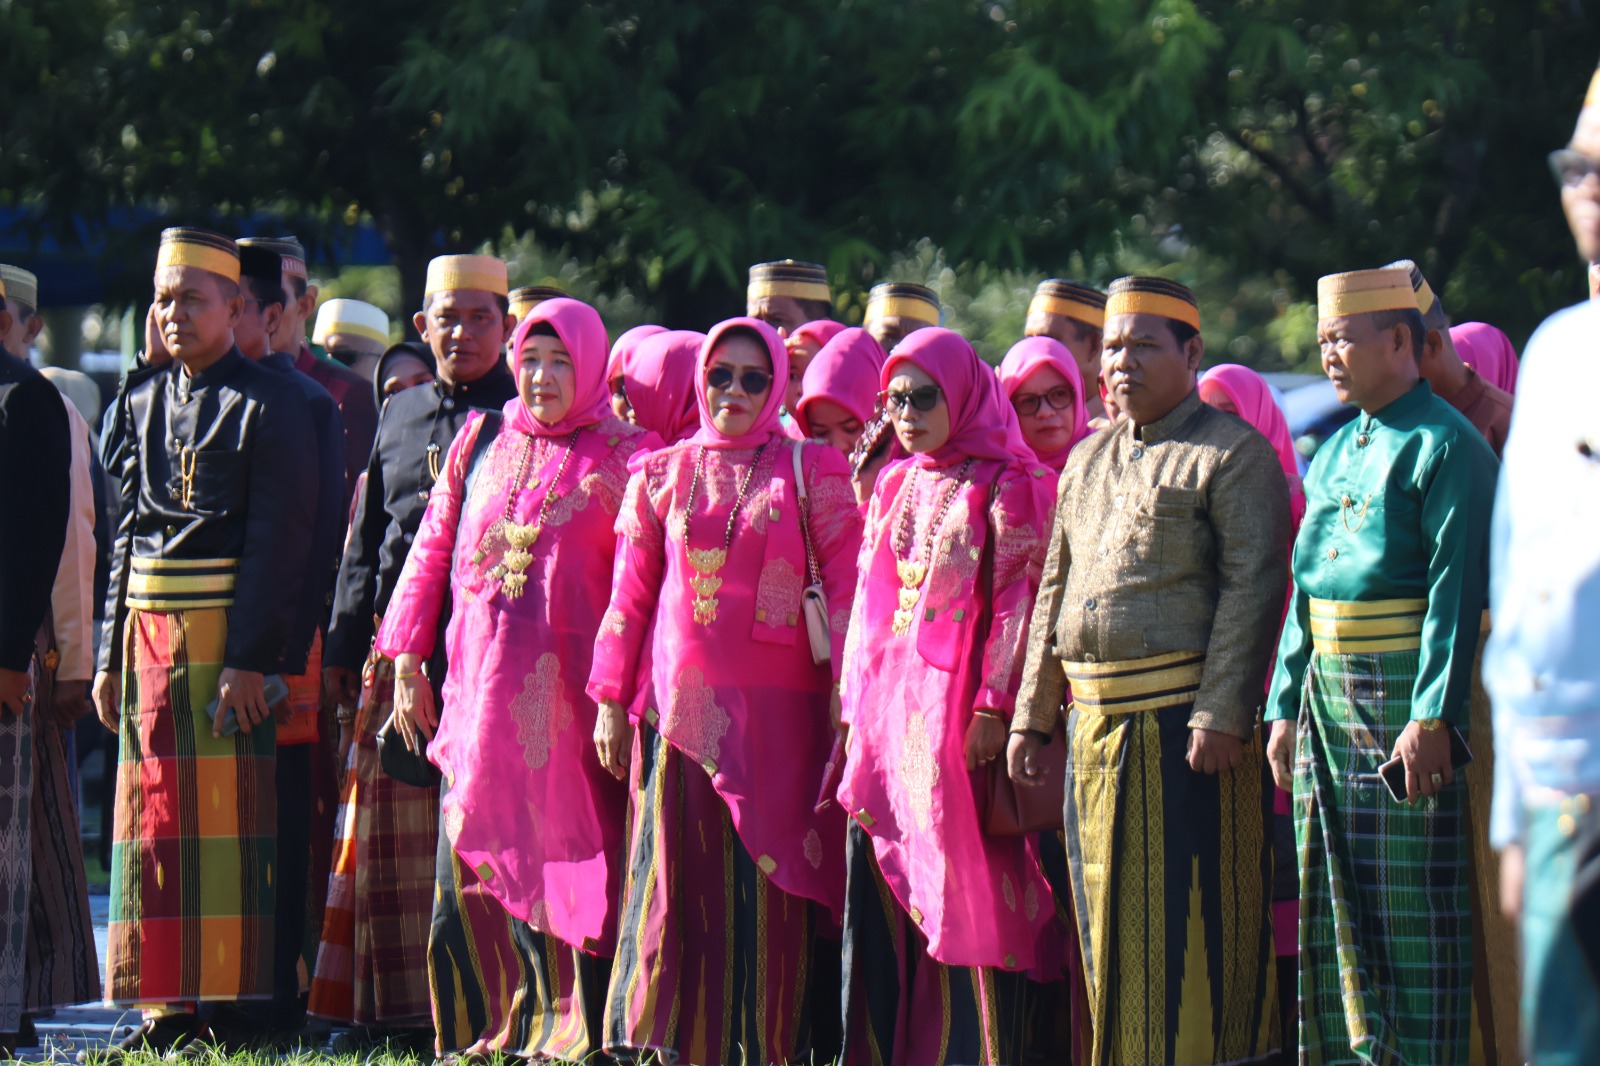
(398, 676)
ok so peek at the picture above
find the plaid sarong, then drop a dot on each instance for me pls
(16, 795)
(63, 968)
(372, 964)
(1385, 929)
(195, 843)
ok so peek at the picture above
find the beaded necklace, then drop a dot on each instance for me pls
(913, 573)
(511, 570)
(707, 561)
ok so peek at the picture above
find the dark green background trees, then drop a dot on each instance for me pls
(1244, 146)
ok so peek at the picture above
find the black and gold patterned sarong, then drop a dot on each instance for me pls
(1171, 873)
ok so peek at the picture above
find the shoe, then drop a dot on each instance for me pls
(27, 1032)
(158, 1037)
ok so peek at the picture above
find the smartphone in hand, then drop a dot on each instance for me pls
(276, 691)
(1393, 772)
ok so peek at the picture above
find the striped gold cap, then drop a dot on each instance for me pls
(789, 277)
(184, 246)
(527, 297)
(19, 285)
(903, 299)
(482, 272)
(1419, 284)
(356, 318)
(293, 252)
(1056, 296)
(1361, 292)
(1153, 296)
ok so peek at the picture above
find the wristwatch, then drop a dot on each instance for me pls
(1430, 725)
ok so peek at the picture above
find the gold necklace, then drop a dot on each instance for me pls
(187, 458)
(511, 570)
(707, 561)
(913, 573)
(1348, 509)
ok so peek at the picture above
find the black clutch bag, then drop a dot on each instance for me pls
(403, 764)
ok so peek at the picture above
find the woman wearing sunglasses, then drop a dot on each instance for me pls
(729, 865)
(941, 920)
(840, 399)
(1042, 382)
(519, 530)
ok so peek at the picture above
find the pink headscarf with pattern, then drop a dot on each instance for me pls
(584, 336)
(979, 426)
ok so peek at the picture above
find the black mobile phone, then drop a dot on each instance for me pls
(1393, 772)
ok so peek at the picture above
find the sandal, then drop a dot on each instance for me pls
(157, 1036)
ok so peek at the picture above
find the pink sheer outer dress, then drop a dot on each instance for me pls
(527, 805)
(733, 746)
(980, 901)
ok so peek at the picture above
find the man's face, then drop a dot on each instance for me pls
(1580, 199)
(291, 330)
(253, 332)
(195, 318)
(890, 330)
(18, 335)
(467, 330)
(782, 313)
(1147, 371)
(1365, 364)
(1084, 344)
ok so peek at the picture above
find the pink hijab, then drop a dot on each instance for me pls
(821, 331)
(846, 372)
(660, 374)
(979, 426)
(617, 365)
(583, 334)
(1029, 355)
(1488, 351)
(766, 423)
(1252, 395)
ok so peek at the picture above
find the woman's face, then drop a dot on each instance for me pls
(1216, 396)
(801, 351)
(738, 379)
(546, 378)
(831, 424)
(917, 430)
(1045, 426)
(404, 371)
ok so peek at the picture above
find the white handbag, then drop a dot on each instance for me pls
(813, 602)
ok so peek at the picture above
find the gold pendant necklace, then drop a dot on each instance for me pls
(913, 573)
(511, 571)
(1348, 509)
(707, 561)
(187, 458)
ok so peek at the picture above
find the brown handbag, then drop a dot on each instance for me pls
(1021, 810)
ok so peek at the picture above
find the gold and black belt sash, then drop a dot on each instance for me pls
(181, 584)
(1134, 685)
(1368, 627)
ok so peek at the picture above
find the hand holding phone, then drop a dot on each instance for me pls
(274, 690)
(1393, 772)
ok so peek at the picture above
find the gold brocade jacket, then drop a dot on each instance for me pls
(1168, 537)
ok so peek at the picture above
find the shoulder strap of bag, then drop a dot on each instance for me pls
(488, 429)
(813, 571)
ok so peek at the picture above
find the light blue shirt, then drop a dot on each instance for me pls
(1542, 666)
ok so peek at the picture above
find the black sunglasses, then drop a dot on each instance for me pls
(924, 398)
(1028, 403)
(753, 382)
(1571, 167)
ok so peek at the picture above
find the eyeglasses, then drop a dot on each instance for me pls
(1027, 403)
(1571, 168)
(753, 382)
(924, 398)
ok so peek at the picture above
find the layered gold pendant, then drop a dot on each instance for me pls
(912, 575)
(706, 562)
(517, 557)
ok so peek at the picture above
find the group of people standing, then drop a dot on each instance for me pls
(798, 691)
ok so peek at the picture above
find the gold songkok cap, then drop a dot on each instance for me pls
(355, 318)
(527, 297)
(1153, 296)
(19, 285)
(1363, 292)
(788, 277)
(903, 299)
(182, 246)
(484, 273)
(1586, 133)
(1057, 297)
(290, 248)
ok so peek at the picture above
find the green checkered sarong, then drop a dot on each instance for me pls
(1385, 929)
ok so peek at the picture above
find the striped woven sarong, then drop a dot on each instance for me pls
(1171, 873)
(194, 845)
(372, 964)
(1385, 929)
(63, 968)
(16, 796)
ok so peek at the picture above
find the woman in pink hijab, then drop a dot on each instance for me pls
(1488, 351)
(659, 372)
(730, 868)
(519, 531)
(616, 365)
(840, 396)
(942, 920)
(1043, 384)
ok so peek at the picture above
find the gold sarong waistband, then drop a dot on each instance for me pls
(181, 584)
(1133, 685)
(1366, 627)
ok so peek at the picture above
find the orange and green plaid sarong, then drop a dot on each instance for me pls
(194, 850)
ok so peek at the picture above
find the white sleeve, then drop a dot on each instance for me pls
(72, 597)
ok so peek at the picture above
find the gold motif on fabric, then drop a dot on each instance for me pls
(541, 711)
(706, 562)
(919, 769)
(695, 721)
(1008, 892)
(614, 621)
(778, 593)
(1002, 653)
(453, 819)
(813, 849)
(539, 915)
(1030, 901)
(912, 574)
